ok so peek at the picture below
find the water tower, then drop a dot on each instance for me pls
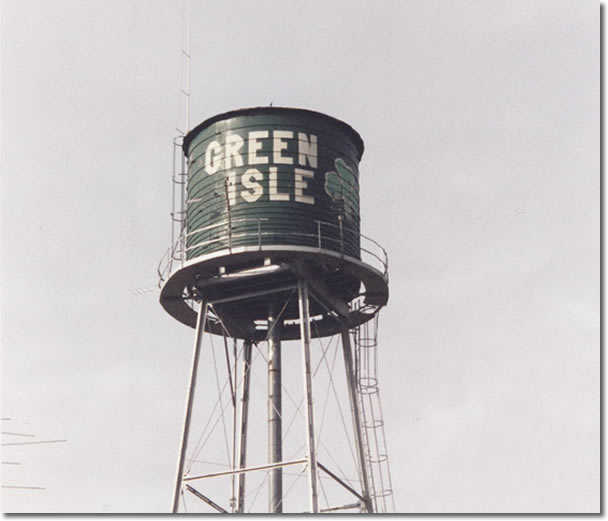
(267, 258)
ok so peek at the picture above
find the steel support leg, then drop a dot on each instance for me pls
(244, 416)
(310, 432)
(275, 452)
(198, 340)
(354, 406)
(233, 479)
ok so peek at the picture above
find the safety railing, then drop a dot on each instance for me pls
(252, 232)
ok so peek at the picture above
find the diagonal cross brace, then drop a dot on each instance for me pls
(321, 292)
(204, 498)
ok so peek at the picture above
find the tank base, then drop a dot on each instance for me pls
(239, 283)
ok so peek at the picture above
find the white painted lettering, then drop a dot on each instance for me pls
(273, 190)
(300, 184)
(213, 157)
(250, 181)
(307, 150)
(279, 144)
(255, 145)
(234, 143)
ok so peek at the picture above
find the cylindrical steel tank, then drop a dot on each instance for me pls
(272, 176)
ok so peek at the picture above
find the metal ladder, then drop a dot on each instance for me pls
(370, 406)
(179, 180)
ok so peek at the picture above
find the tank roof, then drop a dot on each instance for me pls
(252, 111)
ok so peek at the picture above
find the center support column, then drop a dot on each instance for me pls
(275, 449)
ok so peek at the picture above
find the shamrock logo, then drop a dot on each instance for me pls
(341, 186)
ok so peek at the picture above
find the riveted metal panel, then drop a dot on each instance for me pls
(273, 176)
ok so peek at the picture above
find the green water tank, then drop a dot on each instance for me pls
(272, 176)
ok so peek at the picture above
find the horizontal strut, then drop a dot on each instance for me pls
(341, 507)
(253, 294)
(338, 507)
(250, 469)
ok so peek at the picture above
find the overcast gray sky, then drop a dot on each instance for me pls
(480, 177)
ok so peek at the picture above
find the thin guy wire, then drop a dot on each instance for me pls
(199, 449)
(280, 314)
(220, 398)
(184, 502)
(200, 443)
(258, 491)
(225, 330)
(344, 476)
(331, 380)
(299, 405)
(282, 386)
(327, 395)
(293, 418)
(256, 379)
(324, 494)
(297, 477)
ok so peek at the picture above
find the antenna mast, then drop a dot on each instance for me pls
(187, 55)
(179, 176)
